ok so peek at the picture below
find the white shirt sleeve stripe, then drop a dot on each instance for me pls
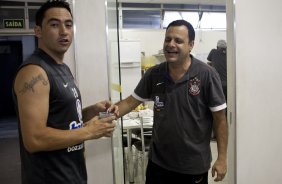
(139, 98)
(218, 108)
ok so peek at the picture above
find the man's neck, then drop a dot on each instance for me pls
(58, 58)
(178, 70)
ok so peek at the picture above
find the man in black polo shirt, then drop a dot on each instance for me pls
(188, 104)
(217, 59)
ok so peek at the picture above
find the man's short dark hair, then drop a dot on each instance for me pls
(46, 6)
(191, 31)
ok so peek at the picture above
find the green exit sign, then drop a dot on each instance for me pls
(13, 23)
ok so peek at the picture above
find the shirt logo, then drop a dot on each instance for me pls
(158, 104)
(194, 86)
(198, 181)
(65, 85)
(159, 83)
(74, 125)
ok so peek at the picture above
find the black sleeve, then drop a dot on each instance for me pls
(209, 58)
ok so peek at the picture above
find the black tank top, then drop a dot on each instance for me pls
(65, 113)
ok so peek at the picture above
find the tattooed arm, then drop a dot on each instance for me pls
(32, 90)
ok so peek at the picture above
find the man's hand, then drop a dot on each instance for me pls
(108, 106)
(97, 128)
(219, 168)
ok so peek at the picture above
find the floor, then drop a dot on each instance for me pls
(9, 152)
(214, 155)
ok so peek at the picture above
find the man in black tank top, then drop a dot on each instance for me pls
(53, 125)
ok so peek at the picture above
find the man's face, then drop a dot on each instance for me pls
(176, 44)
(56, 33)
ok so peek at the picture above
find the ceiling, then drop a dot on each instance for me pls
(209, 2)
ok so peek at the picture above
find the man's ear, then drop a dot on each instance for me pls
(37, 31)
(191, 44)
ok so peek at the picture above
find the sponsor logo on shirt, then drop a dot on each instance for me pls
(194, 86)
(158, 104)
(76, 124)
(76, 147)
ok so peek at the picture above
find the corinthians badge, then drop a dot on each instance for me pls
(194, 86)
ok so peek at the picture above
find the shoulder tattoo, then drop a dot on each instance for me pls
(29, 86)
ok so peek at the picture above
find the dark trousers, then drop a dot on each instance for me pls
(158, 175)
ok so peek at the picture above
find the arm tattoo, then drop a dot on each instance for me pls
(28, 86)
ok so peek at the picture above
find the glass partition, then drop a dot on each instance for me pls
(114, 82)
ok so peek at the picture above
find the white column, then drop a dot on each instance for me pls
(92, 78)
(257, 60)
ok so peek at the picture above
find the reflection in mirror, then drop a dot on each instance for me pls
(142, 27)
